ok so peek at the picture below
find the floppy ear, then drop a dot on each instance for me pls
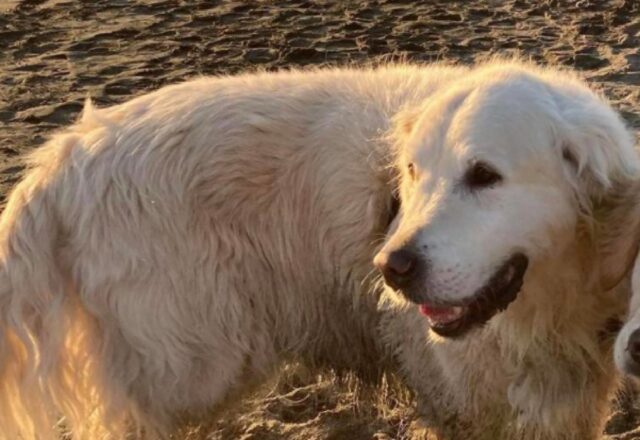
(619, 233)
(600, 152)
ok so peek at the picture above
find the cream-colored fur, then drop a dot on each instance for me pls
(161, 255)
(623, 358)
(542, 369)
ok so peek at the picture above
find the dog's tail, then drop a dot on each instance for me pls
(45, 337)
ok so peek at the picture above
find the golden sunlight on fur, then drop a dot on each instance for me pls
(163, 257)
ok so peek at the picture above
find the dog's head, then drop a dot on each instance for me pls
(627, 346)
(496, 174)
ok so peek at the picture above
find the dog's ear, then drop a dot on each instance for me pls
(618, 232)
(599, 154)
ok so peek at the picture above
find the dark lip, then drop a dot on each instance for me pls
(492, 298)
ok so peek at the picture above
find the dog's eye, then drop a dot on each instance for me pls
(481, 175)
(411, 168)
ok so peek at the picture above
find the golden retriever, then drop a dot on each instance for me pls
(162, 254)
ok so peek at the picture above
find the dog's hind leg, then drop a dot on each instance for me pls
(177, 329)
(44, 371)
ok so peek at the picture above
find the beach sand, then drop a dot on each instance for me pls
(55, 53)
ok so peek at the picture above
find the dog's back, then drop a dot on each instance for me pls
(162, 253)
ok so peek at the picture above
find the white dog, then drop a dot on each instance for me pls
(627, 347)
(518, 190)
(162, 254)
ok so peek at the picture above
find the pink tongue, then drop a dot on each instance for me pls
(434, 311)
(440, 314)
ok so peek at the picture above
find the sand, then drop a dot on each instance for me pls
(54, 53)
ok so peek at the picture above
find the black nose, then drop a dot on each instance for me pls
(398, 267)
(633, 346)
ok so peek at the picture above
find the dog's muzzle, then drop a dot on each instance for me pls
(405, 272)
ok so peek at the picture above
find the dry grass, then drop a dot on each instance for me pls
(303, 404)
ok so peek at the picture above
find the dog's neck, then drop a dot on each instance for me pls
(551, 284)
(560, 300)
(548, 355)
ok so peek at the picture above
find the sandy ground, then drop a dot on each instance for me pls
(53, 53)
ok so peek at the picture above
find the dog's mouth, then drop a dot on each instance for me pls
(454, 320)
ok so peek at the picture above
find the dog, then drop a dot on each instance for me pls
(627, 345)
(518, 192)
(162, 255)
